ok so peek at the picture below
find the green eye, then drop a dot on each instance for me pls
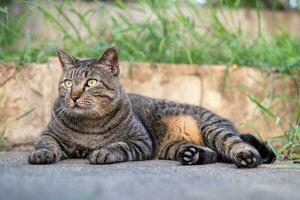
(91, 82)
(68, 84)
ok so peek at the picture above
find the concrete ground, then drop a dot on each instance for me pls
(76, 179)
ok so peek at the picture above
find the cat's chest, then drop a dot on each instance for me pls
(83, 143)
(91, 141)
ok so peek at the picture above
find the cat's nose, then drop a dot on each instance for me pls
(76, 92)
(75, 97)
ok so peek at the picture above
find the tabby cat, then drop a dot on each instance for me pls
(93, 117)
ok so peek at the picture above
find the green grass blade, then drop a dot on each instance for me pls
(83, 20)
(253, 128)
(260, 106)
(25, 114)
(61, 12)
(285, 147)
(49, 17)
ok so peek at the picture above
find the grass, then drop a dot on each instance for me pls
(170, 35)
(291, 148)
(173, 37)
(11, 34)
(290, 140)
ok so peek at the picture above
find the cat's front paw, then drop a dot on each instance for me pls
(42, 156)
(247, 158)
(105, 156)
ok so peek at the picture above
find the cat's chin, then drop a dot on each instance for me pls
(76, 110)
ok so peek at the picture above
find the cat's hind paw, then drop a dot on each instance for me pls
(193, 155)
(189, 155)
(247, 158)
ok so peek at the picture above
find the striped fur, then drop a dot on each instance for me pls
(106, 125)
(218, 134)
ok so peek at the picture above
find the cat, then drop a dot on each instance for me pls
(94, 118)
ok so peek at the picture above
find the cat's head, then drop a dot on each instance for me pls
(90, 87)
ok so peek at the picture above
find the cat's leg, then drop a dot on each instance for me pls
(264, 150)
(47, 151)
(216, 132)
(133, 150)
(187, 153)
(220, 135)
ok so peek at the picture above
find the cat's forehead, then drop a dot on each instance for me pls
(84, 63)
(84, 69)
(80, 69)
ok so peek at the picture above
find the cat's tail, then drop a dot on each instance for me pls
(264, 150)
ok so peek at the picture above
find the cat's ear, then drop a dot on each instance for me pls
(66, 60)
(109, 61)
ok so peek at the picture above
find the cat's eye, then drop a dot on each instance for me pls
(68, 83)
(91, 82)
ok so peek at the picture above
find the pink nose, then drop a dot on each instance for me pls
(76, 92)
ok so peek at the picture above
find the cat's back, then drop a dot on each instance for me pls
(142, 106)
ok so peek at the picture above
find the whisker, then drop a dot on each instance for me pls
(101, 116)
(61, 113)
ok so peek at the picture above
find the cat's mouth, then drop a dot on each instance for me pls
(80, 107)
(78, 110)
(77, 105)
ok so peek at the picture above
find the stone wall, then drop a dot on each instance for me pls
(26, 96)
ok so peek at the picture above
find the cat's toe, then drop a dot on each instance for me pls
(190, 155)
(247, 159)
(102, 156)
(95, 157)
(42, 156)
